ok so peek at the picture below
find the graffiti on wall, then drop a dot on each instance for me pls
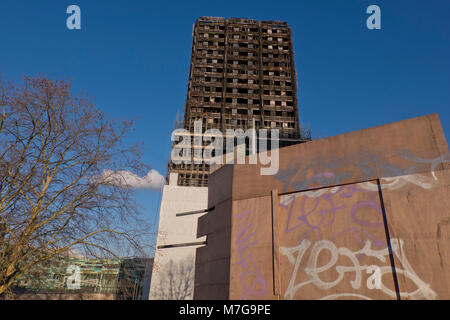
(251, 280)
(332, 235)
(322, 172)
(295, 257)
(345, 224)
(315, 212)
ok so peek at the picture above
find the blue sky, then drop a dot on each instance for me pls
(132, 58)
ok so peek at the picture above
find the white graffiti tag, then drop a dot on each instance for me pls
(295, 257)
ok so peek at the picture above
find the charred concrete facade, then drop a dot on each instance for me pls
(242, 75)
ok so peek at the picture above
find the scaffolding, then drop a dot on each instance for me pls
(242, 76)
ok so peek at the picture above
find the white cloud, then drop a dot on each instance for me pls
(153, 180)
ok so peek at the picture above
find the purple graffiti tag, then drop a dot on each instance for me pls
(303, 215)
(254, 277)
(329, 198)
(251, 274)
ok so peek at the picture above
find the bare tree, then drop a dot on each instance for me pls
(176, 280)
(53, 148)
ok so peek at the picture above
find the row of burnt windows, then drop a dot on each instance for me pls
(243, 62)
(236, 28)
(242, 91)
(210, 44)
(266, 82)
(257, 112)
(207, 36)
(229, 62)
(230, 71)
(219, 53)
(235, 111)
(210, 52)
(207, 44)
(269, 40)
(253, 37)
(201, 52)
(205, 109)
(243, 45)
(267, 124)
(211, 35)
(208, 69)
(219, 79)
(211, 26)
(228, 90)
(227, 100)
(203, 62)
(243, 123)
(270, 55)
(242, 101)
(276, 73)
(244, 71)
(191, 166)
(192, 180)
(273, 46)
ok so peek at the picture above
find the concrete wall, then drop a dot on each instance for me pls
(362, 215)
(213, 260)
(174, 264)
